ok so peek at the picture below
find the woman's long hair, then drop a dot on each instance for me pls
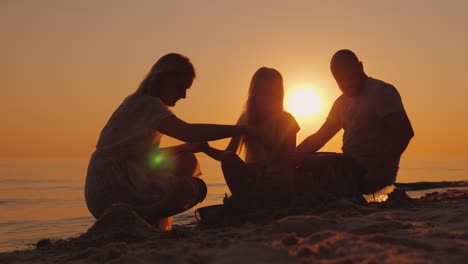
(171, 63)
(265, 81)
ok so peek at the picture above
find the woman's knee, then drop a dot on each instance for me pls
(203, 189)
(189, 193)
(187, 164)
(186, 157)
(184, 194)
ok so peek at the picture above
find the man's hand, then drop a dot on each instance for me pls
(315, 142)
(307, 145)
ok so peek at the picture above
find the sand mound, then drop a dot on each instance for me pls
(120, 223)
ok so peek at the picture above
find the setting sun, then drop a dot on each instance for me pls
(303, 103)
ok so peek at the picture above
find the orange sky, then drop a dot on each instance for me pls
(66, 65)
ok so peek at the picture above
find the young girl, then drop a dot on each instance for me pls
(266, 175)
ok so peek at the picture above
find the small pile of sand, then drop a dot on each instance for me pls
(120, 223)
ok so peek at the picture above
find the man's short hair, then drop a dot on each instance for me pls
(344, 53)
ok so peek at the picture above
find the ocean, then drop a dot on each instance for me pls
(43, 198)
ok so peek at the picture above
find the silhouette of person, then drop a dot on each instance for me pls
(376, 127)
(265, 177)
(128, 167)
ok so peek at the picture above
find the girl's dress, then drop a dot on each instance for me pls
(271, 174)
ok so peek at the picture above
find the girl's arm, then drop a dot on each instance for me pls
(176, 128)
(218, 154)
(234, 144)
(215, 153)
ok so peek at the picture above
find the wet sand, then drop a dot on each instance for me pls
(432, 229)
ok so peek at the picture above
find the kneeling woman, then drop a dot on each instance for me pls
(128, 167)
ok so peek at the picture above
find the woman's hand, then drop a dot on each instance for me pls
(196, 147)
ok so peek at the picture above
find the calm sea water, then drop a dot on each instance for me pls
(44, 198)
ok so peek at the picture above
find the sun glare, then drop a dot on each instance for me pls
(303, 103)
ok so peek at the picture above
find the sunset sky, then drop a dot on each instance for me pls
(66, 65)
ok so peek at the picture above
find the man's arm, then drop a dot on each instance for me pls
(316, 141)
(399, 131)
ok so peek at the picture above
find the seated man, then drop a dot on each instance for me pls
(376, 127)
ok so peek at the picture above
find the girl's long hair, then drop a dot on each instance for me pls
(171, 63)
(265, 81)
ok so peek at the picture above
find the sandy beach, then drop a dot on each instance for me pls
(432, 229)
(270, 131)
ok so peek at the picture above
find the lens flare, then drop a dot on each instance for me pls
(158, 159)
(161, 161)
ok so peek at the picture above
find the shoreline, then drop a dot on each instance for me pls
(432, 229)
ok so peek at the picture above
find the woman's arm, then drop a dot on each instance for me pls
(218, 154)
(188, 147)
(215, 153)
(176, 128)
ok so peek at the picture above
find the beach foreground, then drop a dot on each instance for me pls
(432, 229)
